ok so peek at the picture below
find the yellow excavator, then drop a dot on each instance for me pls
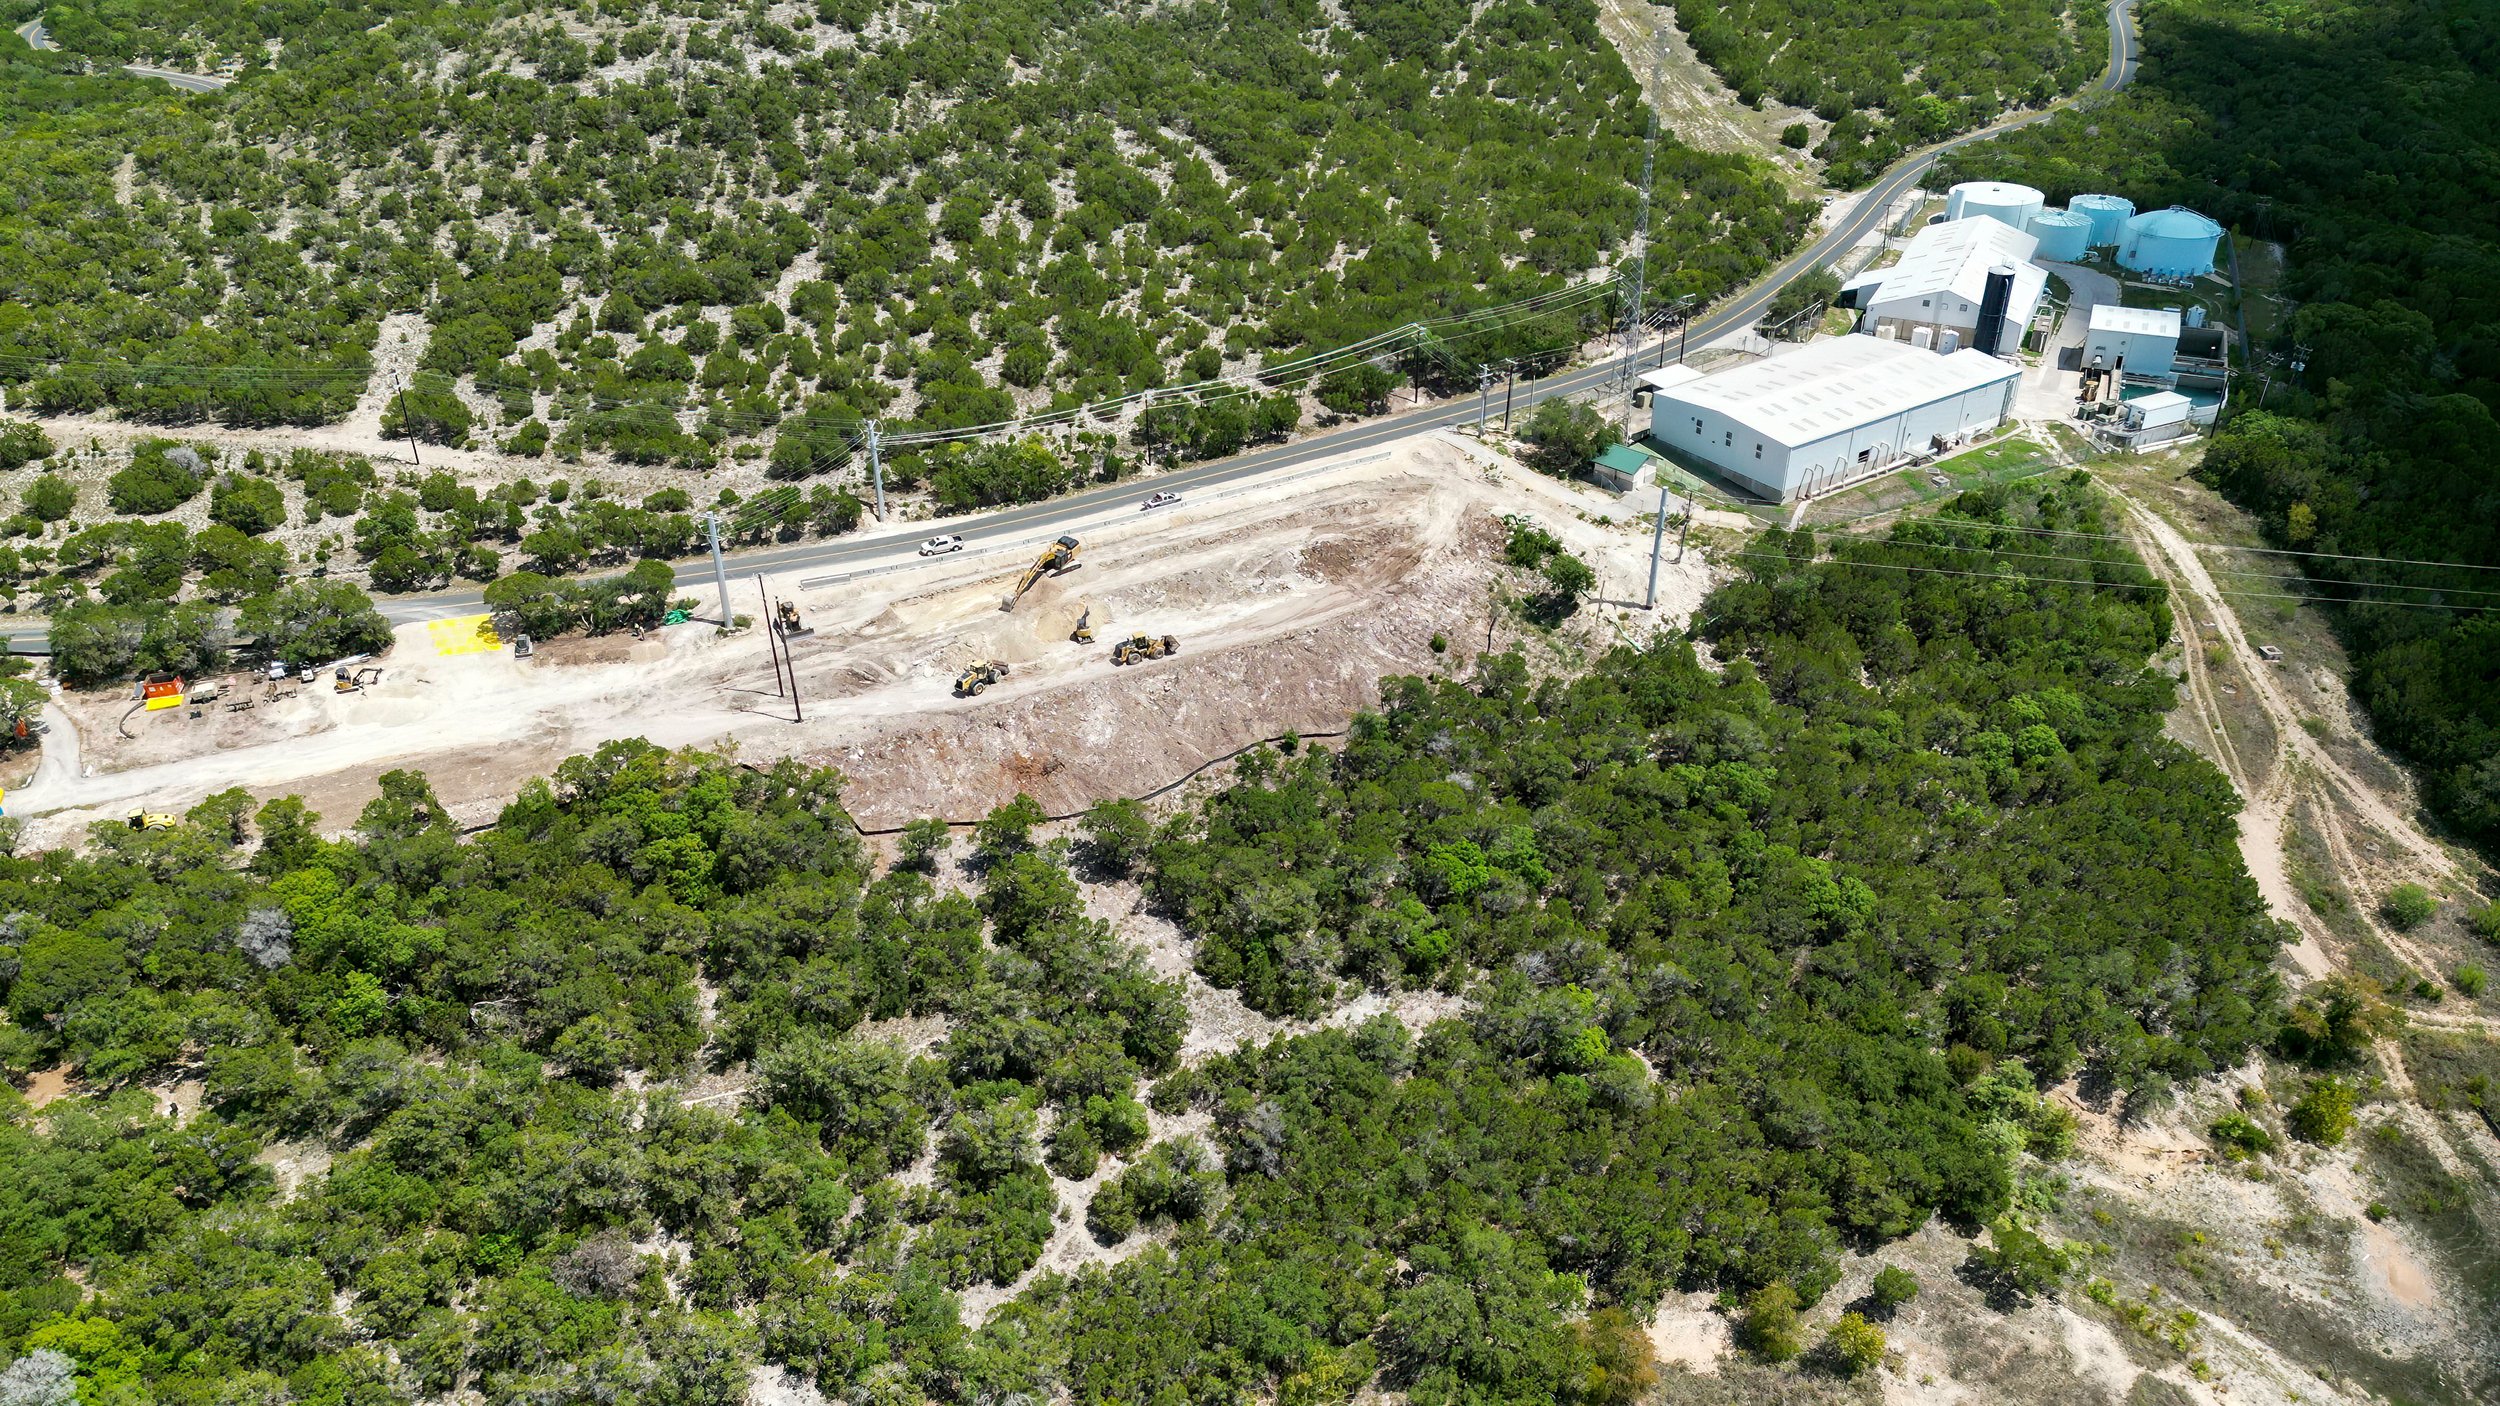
(1084, 631)
(978, 675)
(1137, 649)
(151, 820)
(1055, 558)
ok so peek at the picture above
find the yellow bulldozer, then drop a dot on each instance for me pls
(1137, 649)
(1055, 558)
(978, 675)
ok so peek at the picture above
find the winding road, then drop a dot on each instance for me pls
(36, 38)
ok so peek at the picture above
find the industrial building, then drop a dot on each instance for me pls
(2109, 215)
(1970, 283)
(2003, 201)
(2172, 243)
(2137, 342)
(1831, 413)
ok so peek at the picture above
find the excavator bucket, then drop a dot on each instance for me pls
(1056, 557)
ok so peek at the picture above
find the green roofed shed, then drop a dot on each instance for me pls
(1622, 468)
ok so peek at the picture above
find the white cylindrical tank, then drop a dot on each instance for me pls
(2109, 215)
(2175, 243)
(2063, 234)
(2002, 201)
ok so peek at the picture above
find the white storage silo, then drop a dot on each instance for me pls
(2175, 243)
(2063, 234)
(2109, 215)
(2002, 201)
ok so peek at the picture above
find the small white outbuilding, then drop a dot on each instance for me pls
(2138, 341)
(1831, 413)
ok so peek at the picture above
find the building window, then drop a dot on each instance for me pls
(1731, 440)
(1757, 449)
(1927, 302)
(1697, 427)
(1864, 455)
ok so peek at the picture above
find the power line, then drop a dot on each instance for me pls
(2213, 570)
(2208, 546)
(2016, 578)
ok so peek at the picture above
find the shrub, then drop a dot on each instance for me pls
(249, 505)
(2486, 922)
(1769, 1329)
(1175, 1181)
(162, 476)
(1116, 835)
(528, 439)
(922, 841)
(1565, 435)
(1007, 830)
(2407, 906)
(427, 409)
(1856, 1346)
(2240, 1136)
(2468, 980)
(2019, 1260)
(50, 498)
(2324, 1114)
(1893, 1287)
(1795, 135)
(22, 442)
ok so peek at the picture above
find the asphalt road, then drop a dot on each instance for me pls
(33, 33)
(1041, 519)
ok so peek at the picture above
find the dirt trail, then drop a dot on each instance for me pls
(2299, 762)
(1691, 102)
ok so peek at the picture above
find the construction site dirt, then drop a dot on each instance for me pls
(1290, 600)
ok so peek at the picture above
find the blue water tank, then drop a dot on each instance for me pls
(2109, 215)
(2063, 234)
(2175, 243)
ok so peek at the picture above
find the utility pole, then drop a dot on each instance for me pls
(1640, 233)
(1657, 541)
(720, 571)
(400, 389)
(876, 470)
(764, 603)
(1510, 383)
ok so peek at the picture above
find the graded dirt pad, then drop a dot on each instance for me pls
(1291, 599)
(1287, 623)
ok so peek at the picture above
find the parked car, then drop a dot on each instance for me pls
(1159, 500)
(940, 546)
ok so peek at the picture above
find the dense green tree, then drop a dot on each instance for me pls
(247, 504)
(313, 622)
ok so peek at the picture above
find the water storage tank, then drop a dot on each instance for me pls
(2175, 243)
(2109, 215)
(2006, 203)
(2063, 234)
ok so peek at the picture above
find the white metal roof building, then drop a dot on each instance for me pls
(1831, 413)
(2138, 341)
(1970, 283)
